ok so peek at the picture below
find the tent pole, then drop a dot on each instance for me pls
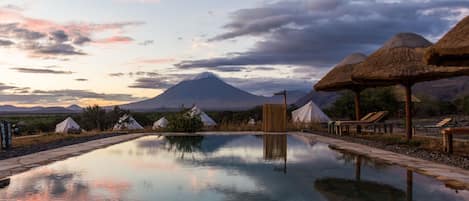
(408, 110)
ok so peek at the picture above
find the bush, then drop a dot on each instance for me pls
(181, 122)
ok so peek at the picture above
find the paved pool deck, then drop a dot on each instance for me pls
(452, 176)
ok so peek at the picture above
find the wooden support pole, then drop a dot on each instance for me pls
(408, 110)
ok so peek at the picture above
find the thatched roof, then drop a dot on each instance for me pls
(399, 61)
(340, 77)
(453, 48)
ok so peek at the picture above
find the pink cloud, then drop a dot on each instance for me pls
(74, 29)
(155, 61)
(115, 39)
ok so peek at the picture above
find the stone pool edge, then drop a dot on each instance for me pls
(16, 165)
(453, 177)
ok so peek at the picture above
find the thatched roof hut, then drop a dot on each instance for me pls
(452, 49)
(340, 77)
(399, 61)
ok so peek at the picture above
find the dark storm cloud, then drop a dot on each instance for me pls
(41, 71)
(56, 49)
(320, 33)
(59, 36)
(6, 42)
(151, 83)
(80, 40)
(229, 68)
(268, 86)
(12, 30)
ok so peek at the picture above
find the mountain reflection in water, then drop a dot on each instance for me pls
(228, 167)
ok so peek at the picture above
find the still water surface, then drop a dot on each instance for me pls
(238, 167)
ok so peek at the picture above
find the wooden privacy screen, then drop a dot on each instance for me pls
(275, 147)
(274, 119)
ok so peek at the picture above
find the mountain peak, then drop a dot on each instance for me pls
(74, 107)
(205, 75)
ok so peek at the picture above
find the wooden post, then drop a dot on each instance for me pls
(357, 105)
(358, 165)
(408, 110)
(357, 109)
(409, 185)
(450, 143)
(285, 105)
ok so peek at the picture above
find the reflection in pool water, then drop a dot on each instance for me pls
(237, 167)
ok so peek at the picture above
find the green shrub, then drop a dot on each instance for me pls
(181, 122)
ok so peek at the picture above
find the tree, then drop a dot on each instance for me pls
(183, 122)
(372, 100)
(113, 116)
(94, 117)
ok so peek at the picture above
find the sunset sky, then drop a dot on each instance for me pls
(62, 52)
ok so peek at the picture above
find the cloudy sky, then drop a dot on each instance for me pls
(61, 52)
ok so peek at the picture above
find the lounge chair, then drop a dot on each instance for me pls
(372, 120)
(444, 123)
(332, 124)
(448, 137)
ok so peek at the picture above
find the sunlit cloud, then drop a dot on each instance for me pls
(115, 39)
(41, 71)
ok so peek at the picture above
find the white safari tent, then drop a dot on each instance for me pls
(309, 113)
(127, 122)
(252, 122)
(161, 123)
(66, 126)
(195, 111)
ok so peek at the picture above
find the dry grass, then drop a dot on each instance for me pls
(44, 138)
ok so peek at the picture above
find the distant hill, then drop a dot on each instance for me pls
(209, 92)
(445, 89)
(10, 109)
(322, 99)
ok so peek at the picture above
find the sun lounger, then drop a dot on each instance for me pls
(448, 137)
(332, 124)
(372, 120)
(444, 123)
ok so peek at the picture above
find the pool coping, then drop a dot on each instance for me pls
(16, 165)
(453, 177)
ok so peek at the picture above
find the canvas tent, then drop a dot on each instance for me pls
(309, 113)
(127, 122)
(67, 125)
(161, 123)
(195, 111)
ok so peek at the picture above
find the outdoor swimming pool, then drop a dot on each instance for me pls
(228, 167)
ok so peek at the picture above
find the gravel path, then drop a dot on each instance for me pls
(436, 156)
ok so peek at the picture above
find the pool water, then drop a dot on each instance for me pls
(228, 167)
